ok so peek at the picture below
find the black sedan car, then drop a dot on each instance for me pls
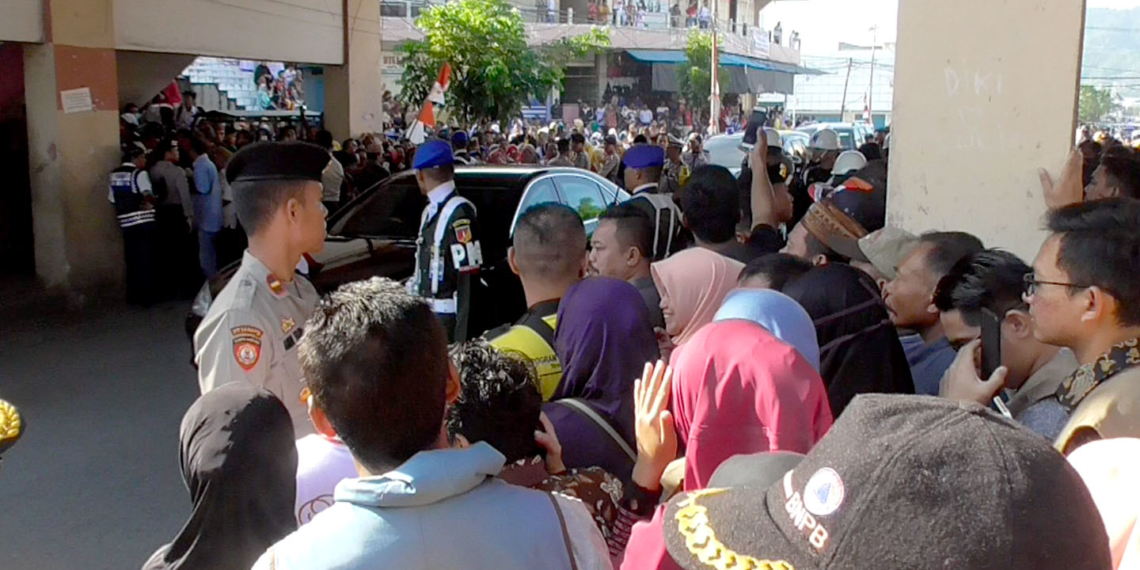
(375, 234)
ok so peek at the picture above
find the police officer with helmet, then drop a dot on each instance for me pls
(447, 251)
(824, 150)
(251, 331)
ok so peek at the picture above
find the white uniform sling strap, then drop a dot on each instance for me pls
(440, 227)
(662, 203)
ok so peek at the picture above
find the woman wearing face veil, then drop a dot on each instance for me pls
(239, 462)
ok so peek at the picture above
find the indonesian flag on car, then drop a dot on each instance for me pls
(440, 86)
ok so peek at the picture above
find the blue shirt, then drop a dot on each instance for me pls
(928, 362)
(207, 195)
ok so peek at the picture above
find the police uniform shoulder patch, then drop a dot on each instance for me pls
(247, 346)
(462, 231)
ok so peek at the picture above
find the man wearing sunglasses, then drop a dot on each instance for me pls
(994, 281)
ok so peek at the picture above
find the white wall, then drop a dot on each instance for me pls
(21, 21)
(985, 94)
(306, 31)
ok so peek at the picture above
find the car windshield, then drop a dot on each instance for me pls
(846, 138)
(725, 151)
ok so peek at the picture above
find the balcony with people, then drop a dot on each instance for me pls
(633, 24)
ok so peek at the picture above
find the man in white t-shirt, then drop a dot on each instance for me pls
(323, 461)
(646, 116)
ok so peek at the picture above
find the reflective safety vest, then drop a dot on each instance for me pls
(531, 339)
(128, 197)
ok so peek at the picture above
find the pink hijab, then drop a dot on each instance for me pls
(739, 389)
(1110, 469)
(736, 389)
(693, 284)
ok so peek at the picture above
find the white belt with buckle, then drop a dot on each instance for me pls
(444, 306)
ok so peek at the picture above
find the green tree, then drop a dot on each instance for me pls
(493, 70)
(695, 75)
(1096, 104)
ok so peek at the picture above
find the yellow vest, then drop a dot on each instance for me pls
(522, 341)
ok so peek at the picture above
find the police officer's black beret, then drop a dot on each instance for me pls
(278, 161)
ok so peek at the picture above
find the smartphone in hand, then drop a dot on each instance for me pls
(755, 123)
(991, 343)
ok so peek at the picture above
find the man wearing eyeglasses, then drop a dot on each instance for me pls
(1085, 295)
(994, 281)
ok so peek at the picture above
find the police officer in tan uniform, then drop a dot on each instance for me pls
(251, 331)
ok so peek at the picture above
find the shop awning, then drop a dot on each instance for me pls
(726, 60)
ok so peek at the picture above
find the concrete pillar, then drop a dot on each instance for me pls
(78, 246)
(354, 91)
(985, 94)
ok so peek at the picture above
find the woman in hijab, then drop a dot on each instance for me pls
(239, 462)
(1110, 469)
(693, 284)
(603, 341)
(736, 389)
(778, 313)
(859, 349)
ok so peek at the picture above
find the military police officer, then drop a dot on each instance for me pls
(251, 331)
(447, 251)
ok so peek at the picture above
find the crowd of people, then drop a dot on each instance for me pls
(752, 372)
(176, 207)
(284, 92)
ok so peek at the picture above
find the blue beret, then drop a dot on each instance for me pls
(644, 156)
(459, 139)
(432, 154)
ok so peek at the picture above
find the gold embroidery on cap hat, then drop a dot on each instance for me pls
(693, 524)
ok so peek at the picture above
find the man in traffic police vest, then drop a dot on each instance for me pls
(133, 199)
(447, 251)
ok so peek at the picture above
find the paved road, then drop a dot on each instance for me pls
(95, 481)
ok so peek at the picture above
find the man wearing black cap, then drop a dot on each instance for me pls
(133, 198)
(251, 331)
(447, 251)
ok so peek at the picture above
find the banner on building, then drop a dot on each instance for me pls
(761, 44)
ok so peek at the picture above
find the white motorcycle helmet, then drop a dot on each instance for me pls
(825, 139)
(774, 138)
(848, 162)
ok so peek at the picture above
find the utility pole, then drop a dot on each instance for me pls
(871, 93)
(714, 97)
(846, 82)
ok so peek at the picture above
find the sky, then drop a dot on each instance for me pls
(850, 21)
